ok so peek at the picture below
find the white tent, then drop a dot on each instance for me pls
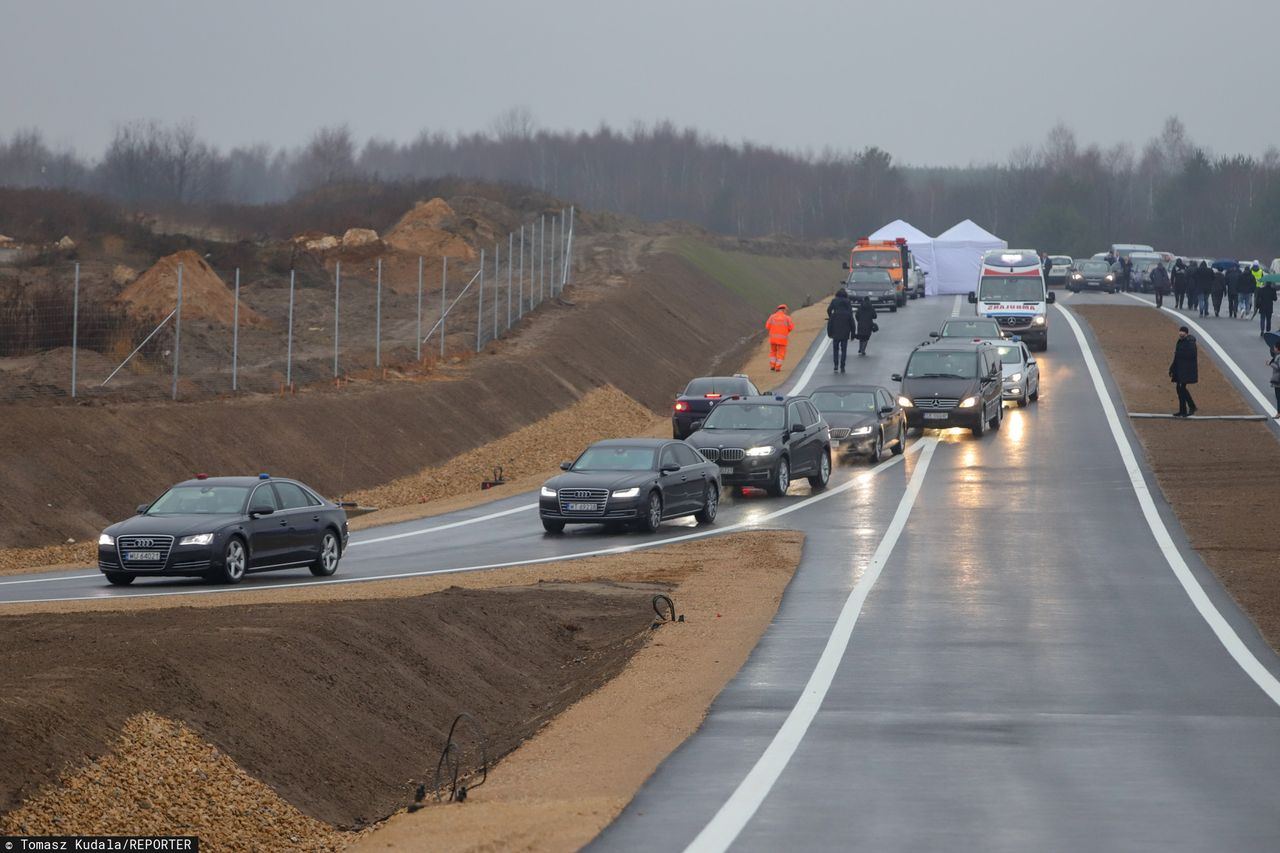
(957, 257)
(920, 244)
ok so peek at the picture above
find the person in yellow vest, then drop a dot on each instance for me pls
(779, 326)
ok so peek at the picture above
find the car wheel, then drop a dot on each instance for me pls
(893, 309)
(1021, 401)
(980, 428)
(877, 448)
(819, 481)
(552, 526)
(119, 578)
(998, 419)
(652, 519)
(710, 506)
(234, 562)
(781, 479)
(327, 561)
(1034, 395)
(901, 447)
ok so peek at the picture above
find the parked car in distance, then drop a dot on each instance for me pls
(222, 528)
(1091, 275)
(864, 419)
(766, 442)
(1058, 268)
(875, 284)
(639, 481)
(701, 395)
(953, 384)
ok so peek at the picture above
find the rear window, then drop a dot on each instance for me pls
(716, 385)
(970, 329)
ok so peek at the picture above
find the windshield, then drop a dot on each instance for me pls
(746, 416)
(1011, 288)
(844, 401)
(1095, 268)
(870, 276)
(1060, 260)
(1010, 355)
(971, 329)
(201, 500)
(615, 459)
(943, 365)
(881, 260)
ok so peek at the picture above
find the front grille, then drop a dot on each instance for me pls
(732, 454)
(839, 433)
(155, 542)
(1014, 322)
(711, 454)
(938, 403)
(596, 496)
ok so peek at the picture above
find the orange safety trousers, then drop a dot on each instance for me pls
(777, 352)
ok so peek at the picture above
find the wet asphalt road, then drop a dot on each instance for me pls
(1025, 672)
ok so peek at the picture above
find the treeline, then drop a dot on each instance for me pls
(1061, 196)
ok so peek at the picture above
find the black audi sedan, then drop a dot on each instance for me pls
(765, 442)
(701, 395)
(864, 419)
(640, 481)
(222, 528)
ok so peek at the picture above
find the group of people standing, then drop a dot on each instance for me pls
(1199, 286)
(845, 321)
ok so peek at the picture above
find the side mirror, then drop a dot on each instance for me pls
(1052, 297)
(261, 510)
(797, 428)
(695, 426)
(935, 334)
(886, 410)
(566, 466)
(973, 298)
(1030, 361)
(142, 508)
(897, 377)
(670, 469)
(844, 265)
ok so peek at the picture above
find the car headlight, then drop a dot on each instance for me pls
(627, 493)
(548, 493)
(760, 451)
(1077, 276)
(104, 539)
(905, 402)
(1017, 377)
(1038, 321)
(198, 539)
(1109, 277)
(864, 430)
(968, 402)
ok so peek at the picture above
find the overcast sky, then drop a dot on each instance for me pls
(946, 83)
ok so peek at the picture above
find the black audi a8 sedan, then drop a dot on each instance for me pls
(222, 528)
(636, 481)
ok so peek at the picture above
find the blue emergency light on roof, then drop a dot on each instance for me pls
(779, 397)
(264, 476)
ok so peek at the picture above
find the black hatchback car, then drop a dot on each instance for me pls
(701, 395)
(953, 383)
(864, 419)
(222, 528)
(639, 481)
(1091, 275)
(765, 442)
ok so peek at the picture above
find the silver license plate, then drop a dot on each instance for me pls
(584, 507)
(726, 469)
(935, 416)
(142, 556)
(835, 442)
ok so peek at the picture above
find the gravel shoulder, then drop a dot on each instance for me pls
(1219, 476)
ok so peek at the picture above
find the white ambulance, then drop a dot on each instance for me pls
(1011, 291)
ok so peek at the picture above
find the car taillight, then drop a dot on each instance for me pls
(713, 396)
(682, 406)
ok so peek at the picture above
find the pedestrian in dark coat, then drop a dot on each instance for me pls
(1265, 299)
(840, 328)
(1184, 371)
(1233, 291)
(1160, 283)
(1201, 284)
(1216, 289)
(866, 317)
(1179, 283)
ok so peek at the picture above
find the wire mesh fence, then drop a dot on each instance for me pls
(186, 331)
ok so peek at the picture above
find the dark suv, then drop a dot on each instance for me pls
(953, 384)
(765, 442)
(701, 395)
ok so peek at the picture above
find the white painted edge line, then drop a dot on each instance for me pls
(556, 558)
(50, 580)
(807, 375)
(742, 804)
(1199, 598)
(1268, 406)
(956, 306)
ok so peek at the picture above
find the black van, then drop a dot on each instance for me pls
(953, 384)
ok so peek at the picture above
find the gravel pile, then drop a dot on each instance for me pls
(161, 778)
(18, 560)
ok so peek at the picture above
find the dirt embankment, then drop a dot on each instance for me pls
(1219, 476)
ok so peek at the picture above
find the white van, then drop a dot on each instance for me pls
(1011, 291)
(1124, 250)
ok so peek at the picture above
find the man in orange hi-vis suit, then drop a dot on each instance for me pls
(779, 326)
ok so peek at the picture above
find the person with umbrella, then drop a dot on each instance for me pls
(1184, 371)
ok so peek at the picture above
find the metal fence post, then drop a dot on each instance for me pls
(288, 358)
(444, 286)
(520, 301)
(337, 305)
(235, 334)
(511, 241)
(75, 329)
(419, 335)
(542, 261)
(568, 255)
(564, 244)
(497, 254)
(480, 303)
(377, 323)
(177, 335)
(552, 268)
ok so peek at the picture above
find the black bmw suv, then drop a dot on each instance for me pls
(766, 441)
(953, 384)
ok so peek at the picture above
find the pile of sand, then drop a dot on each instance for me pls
(204, 295)
(357, 238)
(430, 229)
(123, 275)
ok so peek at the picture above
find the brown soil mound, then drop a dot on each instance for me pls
(161, 778)
(429, 230)
(337, 706)
(356, 238)
(204, 295)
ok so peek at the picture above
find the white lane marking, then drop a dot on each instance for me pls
(1267, 405)
(49, 580)
(729, 821)
(600, 552)
(450, 526)
(809, 368)
(956, 306)
(1217, 623)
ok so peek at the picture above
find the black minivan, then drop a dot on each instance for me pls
(953, 384)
